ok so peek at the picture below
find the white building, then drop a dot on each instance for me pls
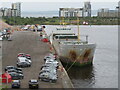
(1, 12)
(14, 12)
(74, 12)
(71, 12)
(6, 12)
(17, 7)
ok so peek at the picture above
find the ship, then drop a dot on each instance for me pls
(70, 47)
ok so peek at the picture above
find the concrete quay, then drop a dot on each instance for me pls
(29, 42)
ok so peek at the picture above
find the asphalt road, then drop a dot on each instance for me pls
(27, 42)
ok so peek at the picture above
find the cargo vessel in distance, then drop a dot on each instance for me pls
(70, 48)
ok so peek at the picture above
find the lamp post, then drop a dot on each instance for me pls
(78, 27)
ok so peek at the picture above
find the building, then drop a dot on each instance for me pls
(105, 12)
(71, 12)
(76, 12)
(14, 12)
(87, 9)
(1, 12)
(118, 6)
(5, 11)
(16, 9)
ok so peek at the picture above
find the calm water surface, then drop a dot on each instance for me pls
(104, 72)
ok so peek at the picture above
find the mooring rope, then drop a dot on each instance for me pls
(71, 65)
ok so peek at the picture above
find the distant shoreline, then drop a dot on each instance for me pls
(47, 13)
(57, 20)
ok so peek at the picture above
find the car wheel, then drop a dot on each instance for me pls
(21, 78)
(37, 87)
(41, 80)
(50, 81)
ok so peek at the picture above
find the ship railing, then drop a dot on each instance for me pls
(83, 40)
(72, 42)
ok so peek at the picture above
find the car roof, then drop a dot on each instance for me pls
(10, 66)
(22, 59)
(11, 70)
(13, 73)
(21, 53)
(34, 80)
(16, 81)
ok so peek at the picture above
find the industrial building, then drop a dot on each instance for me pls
(76, 12)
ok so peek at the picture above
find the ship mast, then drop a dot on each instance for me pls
(78, 28)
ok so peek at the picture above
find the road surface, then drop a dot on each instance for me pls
(27, 42)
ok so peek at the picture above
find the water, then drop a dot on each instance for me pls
(47, 13)
(40, 14)
(104, 72)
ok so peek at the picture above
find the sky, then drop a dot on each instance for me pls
(59, 0)
(54, 6)
(28, 6)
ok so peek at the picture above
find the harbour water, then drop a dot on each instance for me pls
(104, 71)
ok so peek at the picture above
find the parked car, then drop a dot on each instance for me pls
(14, 70)
(52, 63)
(16, 76)
(53, 78)
(24, 59)
(49, 57)
(12, 67)
(44, 76)
(50, 69)
(48, 77)
(44, 66)
(15, 84)
(33, 83)
(1, 36)
(9, 39)
(24, 55)
(23, 64)
(44, 71)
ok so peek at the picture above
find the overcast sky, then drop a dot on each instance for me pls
(54, 5)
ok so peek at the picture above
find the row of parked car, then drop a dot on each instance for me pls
(33, 83)
(5, 35)
(24, 60)
(48, 71)
(14, 72)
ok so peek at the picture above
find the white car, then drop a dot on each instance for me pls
(52, 61)
(24, 59)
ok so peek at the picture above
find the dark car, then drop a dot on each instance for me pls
(16, 76)
(23, 64)
(12, 67)
(14, 70)
(33, 83)
(15, 84)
